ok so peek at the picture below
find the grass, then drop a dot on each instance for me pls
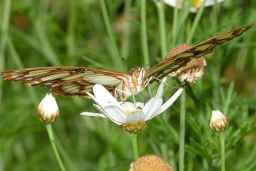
(121, 35)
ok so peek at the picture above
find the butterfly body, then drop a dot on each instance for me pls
(134, 84)
(80, 80)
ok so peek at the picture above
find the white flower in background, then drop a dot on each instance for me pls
(131, 116)
(219, 121)
(195, 5)
(48, 110)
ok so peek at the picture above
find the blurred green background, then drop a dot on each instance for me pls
(75, 33)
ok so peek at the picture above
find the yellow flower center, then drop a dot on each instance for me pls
(134, 127)
(196, 3)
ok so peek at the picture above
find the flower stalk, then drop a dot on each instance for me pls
(143, 30)
(222, 146)
(54, 147)
(134, 138)
(116, 56)
(218, 123)
(182, 131)
(162, 31)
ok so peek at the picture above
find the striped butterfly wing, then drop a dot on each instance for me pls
(67, 81)
(172, 63)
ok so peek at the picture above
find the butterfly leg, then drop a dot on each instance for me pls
(159, 80)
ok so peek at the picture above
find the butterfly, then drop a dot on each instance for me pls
(68, 81)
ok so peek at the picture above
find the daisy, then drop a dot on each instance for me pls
(195, 5)
(131, 116)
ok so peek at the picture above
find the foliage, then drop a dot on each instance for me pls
(75, 33)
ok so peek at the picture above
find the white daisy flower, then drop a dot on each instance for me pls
(195, 5)
(131, 116)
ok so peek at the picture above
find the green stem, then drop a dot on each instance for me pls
(70, 39)
(134, 138)
(174, 26)
(215, 15)
(196, 21)
(144, 32)
(182, 131)
(46, 47)
(126, 33)
(116, 56)
(222, 146)
(51, 137)
(16, 59)
(4, 38)
(161, 18)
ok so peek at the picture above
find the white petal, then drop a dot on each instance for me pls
(100, 108)
(211, 2)
(171, 2)
(104, 112)
(94, 99)
(48, 105)
(137, 116)
(93, 114)
(127, 106)
(103, 97)
(170, 101)
(154, 108)
(160, 88)
(148, 105)
(115, 113)
(216, 114)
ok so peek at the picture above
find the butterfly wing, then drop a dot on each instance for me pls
(67, 80)
(172, 63)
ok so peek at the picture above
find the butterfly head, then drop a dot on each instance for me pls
(138, 73)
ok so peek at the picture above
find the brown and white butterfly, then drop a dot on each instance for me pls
(69, 81)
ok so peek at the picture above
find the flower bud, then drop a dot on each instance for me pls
(149, 163)
(219, 121)
(48, 110)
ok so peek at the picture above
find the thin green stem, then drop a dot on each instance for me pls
(222, 146)
(126, 33)
(70, 39)
(174, 26)
(16, 58)
(144, 32)
(4, 38)
(161, 18)
(117, 61)
(215, 15)
(51, 138)
(182, 131)
(195, 23)
(41, 33)
(134, 138)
